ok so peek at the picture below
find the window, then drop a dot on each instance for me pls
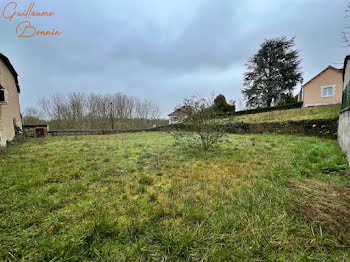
(3, 96)
(327, 91)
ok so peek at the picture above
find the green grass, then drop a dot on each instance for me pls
(317, 112)
(134, 197)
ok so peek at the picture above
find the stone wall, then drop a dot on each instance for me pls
(105, 132)
(31, 130)
(325, 128)
(344, 132)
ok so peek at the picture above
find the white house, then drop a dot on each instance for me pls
(178, 116)
(10, 115)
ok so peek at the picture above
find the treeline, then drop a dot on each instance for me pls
(94, 111)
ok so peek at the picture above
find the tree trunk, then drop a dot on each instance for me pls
(269, 102)
(205, 146)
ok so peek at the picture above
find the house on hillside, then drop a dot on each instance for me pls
(324, 89)
(178, 116)
(10, 115)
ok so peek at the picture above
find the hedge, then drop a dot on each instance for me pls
(267, 109)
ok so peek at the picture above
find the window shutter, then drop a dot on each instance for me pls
(6, 96)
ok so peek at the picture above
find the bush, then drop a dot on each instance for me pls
(202, 126)
(20, 136)
(346, 97)
(222, 107)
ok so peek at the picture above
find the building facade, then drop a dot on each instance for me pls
(9, 101)
(324, 89)
(178, 116)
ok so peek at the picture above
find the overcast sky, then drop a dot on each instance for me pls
(164, 50)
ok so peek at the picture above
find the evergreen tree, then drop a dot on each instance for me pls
(222, 106)
(272, 73)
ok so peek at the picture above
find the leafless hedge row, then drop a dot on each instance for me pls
(94, 111)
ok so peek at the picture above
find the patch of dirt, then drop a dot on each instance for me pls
(325, 203)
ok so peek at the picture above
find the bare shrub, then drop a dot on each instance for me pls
(202, 125)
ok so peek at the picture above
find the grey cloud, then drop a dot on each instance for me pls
(166, 51)
(209, 40)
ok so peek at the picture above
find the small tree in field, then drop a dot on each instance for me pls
(272, 73)
(201, 126)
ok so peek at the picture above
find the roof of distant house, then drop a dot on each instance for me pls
(328, 67)
(181, 111)
(12, 70)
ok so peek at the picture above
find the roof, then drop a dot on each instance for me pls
(12, 70)
(328, 67)
(179, 112)
(345, 64)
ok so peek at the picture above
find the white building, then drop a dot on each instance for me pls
(178, 116)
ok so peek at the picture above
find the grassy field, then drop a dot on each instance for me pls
(317, 112)
(134, 197)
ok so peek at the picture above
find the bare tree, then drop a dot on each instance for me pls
(96, 111)
(346, 32)
(54, 109)
(202, 125)
(75, 109)
(32, 115)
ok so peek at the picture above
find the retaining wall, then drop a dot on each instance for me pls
(325, 128)
(344, 131)
(105, 132)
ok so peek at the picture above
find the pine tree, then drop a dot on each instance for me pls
(272, 73)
